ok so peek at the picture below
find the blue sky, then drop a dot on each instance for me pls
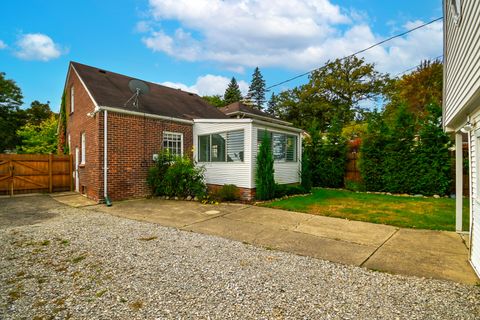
(199, 45)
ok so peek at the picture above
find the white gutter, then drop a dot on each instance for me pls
(275, 125)
(105, 155)
(256, 116)
(146, 115)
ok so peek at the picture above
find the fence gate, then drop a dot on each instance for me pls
(27, 173)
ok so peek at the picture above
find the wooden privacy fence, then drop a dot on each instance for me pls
(27, 173)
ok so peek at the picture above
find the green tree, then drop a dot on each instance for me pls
(62, 147)
(38, 112)
(417, 90)
(372, 152)
(215, 100)
(272, 104)
(306, 173)
(232, 93)
(264, 178)
(432, 159)
(40, 138)
(11, 116)
(256, 91)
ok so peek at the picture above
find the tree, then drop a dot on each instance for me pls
(40, 138)
(345, 83)
(11, 116)
(38, 112)
(232, 93)
(264, 179)
(272, 104)
(417, 90)
(62, 147)
(215, 100)
(256, 91)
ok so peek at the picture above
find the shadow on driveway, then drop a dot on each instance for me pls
(26, 210)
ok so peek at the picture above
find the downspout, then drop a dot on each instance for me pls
(105, 159)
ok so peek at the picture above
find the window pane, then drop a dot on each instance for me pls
(235, 146)
(291, 148)
(204, 148)
(278, 146)
(173, 143)
(218, 147)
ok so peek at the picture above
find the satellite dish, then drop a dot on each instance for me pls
(138, 86)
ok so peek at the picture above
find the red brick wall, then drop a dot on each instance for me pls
(246, 194)
(79, 122)
(132, 141)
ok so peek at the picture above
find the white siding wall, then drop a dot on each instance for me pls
(237, 173)
(475, 196)
(285, 172)
(461, 61)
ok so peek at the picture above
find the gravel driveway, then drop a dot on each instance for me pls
(64, 262)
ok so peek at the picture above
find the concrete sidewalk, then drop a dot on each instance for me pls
(424, 253)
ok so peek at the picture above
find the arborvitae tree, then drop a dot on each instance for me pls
(432, 160)
(62, 147)
(400, 174)
(256, 91)
(306, 173)
(264, 179)
(313, 145)
(232, 93)
(372, 152)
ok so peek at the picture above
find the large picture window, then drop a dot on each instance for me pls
(221, 147)
(284, 146)
(173, 143)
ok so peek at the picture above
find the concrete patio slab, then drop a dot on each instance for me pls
(347, 230)
(73, 199)
(425, 253)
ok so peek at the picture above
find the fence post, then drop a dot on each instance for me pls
(50, 165)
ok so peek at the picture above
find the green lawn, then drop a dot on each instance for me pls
(409, 212)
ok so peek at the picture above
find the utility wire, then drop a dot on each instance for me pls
(418, 65)
(358, 52)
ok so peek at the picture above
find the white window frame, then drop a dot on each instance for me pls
(72, 99)
(69, 144)
(271, 133)
(84, 148)
(175, 134)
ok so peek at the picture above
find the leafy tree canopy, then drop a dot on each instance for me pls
(41, 138)
(38, 112)
(11, 116)
(215, 100)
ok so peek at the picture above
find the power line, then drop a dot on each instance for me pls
(418, 65)
(358, 52)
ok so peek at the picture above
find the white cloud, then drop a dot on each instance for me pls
(3, 45)
(294, 34)
(208, 85)
(37, 46)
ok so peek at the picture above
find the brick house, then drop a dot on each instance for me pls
(114, 136)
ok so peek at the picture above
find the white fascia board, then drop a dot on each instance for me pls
(256, 116)
(146, 115)
(86, 88)
(275, 125)
(223, 120)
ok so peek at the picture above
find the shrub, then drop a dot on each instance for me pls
(264, 179)
(306, 173)
(282, 190)
(176, 177)
(228, 192)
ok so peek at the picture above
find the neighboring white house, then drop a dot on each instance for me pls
(461, 103)
(228, 150)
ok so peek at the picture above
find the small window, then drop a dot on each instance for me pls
(221, 147)
(69, 144)
(84, 148)
(291, 152)
(72, 99)
(173, 142)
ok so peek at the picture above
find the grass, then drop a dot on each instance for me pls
(408, 212)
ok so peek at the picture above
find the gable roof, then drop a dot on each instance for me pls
(110, 89)
(239, 108)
